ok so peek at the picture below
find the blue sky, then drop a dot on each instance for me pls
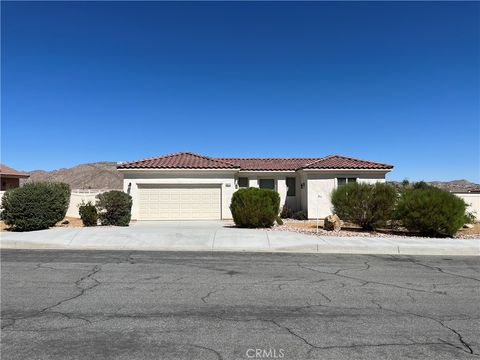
(392, 82)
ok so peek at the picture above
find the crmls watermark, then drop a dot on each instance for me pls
(265, 353)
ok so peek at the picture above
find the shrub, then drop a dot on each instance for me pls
(35, 206)
(300, 215)
(88, 214)
(253, 207)
(286, 212)
(367, 205)
(114, 208)
(431, 211)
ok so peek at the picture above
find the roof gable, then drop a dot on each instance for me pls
(181, 160)
(344, 162)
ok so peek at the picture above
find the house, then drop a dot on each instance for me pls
(10, 178)
(187, 186)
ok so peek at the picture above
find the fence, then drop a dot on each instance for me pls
(79, 196)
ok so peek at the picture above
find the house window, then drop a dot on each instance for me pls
(290, 186)
(243, 182)
(266, 184)
(343, 181)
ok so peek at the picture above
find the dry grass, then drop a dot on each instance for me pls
(473, 231)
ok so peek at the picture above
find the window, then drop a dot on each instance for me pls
(290, 186)
(243, 182)
(266, 184)
(343, 181)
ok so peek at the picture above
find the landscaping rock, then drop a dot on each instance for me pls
(332, 223)
(468, 226)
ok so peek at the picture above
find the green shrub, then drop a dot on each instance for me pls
(35, 206)
(300, 215)
(431, 211)
(254, 207)
(286, 213)
(114, 208)
(88, 214)
(279, 220)
(367, 205)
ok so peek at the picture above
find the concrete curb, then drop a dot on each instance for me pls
(215, 237)
(319, 248)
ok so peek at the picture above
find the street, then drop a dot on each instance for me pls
(186, 305)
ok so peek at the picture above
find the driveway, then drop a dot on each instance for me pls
(210, 306)
(223, 236)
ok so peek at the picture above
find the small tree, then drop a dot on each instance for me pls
(114, 208)
(431, 211)
(88, 214)
(35, 206)
(367, 205)
(254, 208)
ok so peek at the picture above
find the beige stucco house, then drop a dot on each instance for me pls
(187, 186)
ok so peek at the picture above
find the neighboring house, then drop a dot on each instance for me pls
(10, 178)
(186, 186)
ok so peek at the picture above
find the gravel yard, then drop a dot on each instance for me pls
(351, 230)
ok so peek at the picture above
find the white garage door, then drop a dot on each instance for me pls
(177, 202)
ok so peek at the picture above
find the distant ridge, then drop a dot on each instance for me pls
(453, 186)
(98, 175)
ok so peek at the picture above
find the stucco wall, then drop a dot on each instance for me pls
(77, 197)
(226, 180)
(473, 201)
(320, 185)
(281, 185)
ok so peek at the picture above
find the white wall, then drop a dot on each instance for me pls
(225, 179)
(280, 183)
(473, 202)
(321, 183)
(77, 197)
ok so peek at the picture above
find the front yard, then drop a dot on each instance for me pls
(309, 227)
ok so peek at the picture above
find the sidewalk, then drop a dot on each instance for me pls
(219, 236)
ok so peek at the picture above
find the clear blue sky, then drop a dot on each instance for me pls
(392, 82)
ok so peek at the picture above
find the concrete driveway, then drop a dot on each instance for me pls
(223, 236)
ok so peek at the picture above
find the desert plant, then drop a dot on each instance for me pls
(300, 215)
(431, 211)
(254, 207)
(114, 208)
(286, 212)
(88, 214)
(367, 205)
(35, 206)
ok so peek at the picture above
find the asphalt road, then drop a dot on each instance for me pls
(157, 305)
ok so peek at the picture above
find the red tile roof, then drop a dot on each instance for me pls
(8, 171)
(186, 160)
(344, 162)
(181, 160)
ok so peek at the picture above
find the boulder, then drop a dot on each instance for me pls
(332, 223)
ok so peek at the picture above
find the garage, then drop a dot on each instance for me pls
(179, 202)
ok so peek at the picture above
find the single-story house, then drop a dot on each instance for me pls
(187, 186)
(10, 178)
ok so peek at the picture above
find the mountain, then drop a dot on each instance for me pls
(99, 175)
(453, 186)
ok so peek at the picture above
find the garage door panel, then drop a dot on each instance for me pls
(195, 202)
